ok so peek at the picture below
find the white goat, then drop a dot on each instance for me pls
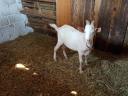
(75, 40)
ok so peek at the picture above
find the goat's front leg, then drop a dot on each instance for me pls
(86, 56)
(80, 61)
(55, 49)
(64, 52)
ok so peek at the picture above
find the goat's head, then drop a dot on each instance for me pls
(90, 30)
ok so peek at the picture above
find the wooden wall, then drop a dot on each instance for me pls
(40, 13)
(110, 15)
(43, 12)
(113, 20)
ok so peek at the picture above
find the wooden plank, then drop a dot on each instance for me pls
(41, 14)
(97, 11)
(63, 12)
(125, 45)
(82, 10)
(75, 10)
(89, 10)
(104, 23)
(52, 1)
(78, 10)
(39, 0)
(120, 21)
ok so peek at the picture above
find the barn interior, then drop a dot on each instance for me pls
(27, 43)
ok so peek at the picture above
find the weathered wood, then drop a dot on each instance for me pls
(47, 0)
(96, 11)
(40, 12)
(120, 21)
(78, 10)
(126, 39)
(89, 10)
(104, 23)
(82, 10)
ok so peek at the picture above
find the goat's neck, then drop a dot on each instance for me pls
(89, 41)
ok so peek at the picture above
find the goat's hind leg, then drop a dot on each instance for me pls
(58, 45)
(64, 52)
(86, 62)
(80, 61)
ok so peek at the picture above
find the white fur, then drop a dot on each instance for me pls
(75, 40)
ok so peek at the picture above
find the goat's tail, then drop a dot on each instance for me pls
(54, 26)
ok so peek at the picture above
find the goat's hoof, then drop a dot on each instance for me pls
(81, 71)
(55, 60)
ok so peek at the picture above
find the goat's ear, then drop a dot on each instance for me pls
(98, 30)
(92, 23)
(87, 22)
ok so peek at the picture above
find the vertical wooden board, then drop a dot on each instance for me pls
(104, 23)
(89, 10)
(96, 11)
(126, 39)
(82, 10)
(118, 32)
(78, 12)
(63, 12)
(40, 12)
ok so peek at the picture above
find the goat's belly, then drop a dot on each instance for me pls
(75, 46)
(71, 47)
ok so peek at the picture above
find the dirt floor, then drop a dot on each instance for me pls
(106, 74)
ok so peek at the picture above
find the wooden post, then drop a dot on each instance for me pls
(63, 12)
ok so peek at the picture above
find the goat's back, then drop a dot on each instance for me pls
(71, 37)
